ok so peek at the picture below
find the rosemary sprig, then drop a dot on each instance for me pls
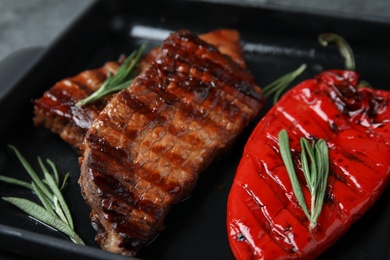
(315, 166)
(55, 212)
(121, 80)
(279, 85)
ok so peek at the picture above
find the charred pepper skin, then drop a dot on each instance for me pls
(264, 219)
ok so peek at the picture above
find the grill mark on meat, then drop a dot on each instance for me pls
(119, 200)
(108, 205)
(100, 222)
(205, 86)
(84, 89)
(191, 112)
(222, 98)
(202, 67)
(93, 79)
(183, 87)
(127, 162)
(140, 103)
(56, 110)
(133, 140)
(208, 59)
(121, 188)
(132, 161)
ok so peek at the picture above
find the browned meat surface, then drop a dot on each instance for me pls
(227, 42)
(57, 108)
(146, 149)
(57, 111)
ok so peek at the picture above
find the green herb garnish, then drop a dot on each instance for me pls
(279, 85)
(315, 166)
(121, 80)
(55, 212)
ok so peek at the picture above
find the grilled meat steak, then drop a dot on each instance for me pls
(146, 149)
(57, 109)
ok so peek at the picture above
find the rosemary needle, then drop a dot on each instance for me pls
(315, 166)
(55, 212)
(121, 80)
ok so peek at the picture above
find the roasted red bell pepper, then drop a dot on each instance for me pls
(264, 219)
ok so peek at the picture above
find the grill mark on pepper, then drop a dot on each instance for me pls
(279, 237)
(314, 116)
(339, 215)
(338, 176)
(368, 178)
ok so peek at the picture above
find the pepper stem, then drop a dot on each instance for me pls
(344, 48)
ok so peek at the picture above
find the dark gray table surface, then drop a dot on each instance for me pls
(34, 23)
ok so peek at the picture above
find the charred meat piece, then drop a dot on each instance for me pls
(146, 149)
(57, 109)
